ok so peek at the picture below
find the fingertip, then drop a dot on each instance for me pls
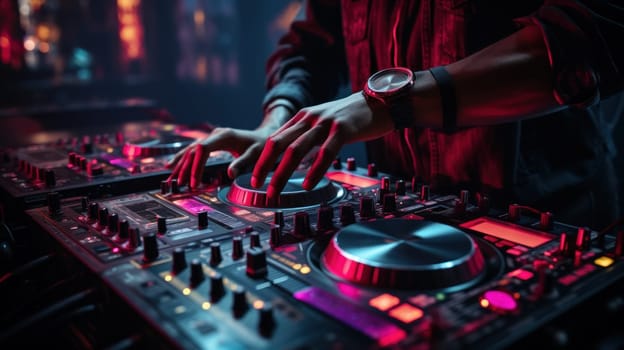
(254, 182)
(232, 172)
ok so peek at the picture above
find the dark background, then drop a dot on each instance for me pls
(201, 61)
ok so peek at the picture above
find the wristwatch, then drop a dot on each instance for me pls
(387, 90)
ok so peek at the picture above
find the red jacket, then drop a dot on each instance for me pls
(533, 162)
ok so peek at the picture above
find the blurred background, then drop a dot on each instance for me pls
(200, 61)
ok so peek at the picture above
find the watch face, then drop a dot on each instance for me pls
(390, 81)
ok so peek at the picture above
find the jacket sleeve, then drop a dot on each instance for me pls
(584, 41)
(309, 63)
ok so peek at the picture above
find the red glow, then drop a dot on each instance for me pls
(510, 232)
(352, 179)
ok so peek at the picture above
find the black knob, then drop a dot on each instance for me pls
(337, 163)
(102, 218)
(150, 247)
(347, 214)
(389, 203)
(94, 209)
(248, 229)
(351, 166)
(197, 273)
(400, 187)
(483, 203)
(174, 186)
(161, 224)
(86, 148)
(202, 219)
(301, 224)
(424, 193)
(254, 240)
(546, 221)
(179, 260)
(278, 218)
(113, 223)
(239, 301)
(462, 202)
(266, 321)
(256, 263)
(71, 159)
(372, 170)
(215, 254)
(134, 238)
(545, 279)
(217, 289)
(367, 207)
(94, 169)
(384, 188)
(50, 178)
(82, 163)
(84, 204)
(275, 239)
(237, 248)
(325, 218)
(54, 203)
(123, 229)
(164, 187)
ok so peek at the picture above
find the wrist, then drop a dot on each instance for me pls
(388, 92)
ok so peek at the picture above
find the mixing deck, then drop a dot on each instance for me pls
(363, 261)
(131, 160)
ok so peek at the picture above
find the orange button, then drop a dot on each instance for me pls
(406, 313)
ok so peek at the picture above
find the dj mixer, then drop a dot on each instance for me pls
(131, 159)
(363, 261)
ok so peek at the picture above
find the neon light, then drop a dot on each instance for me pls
(510, 232)
(352, 179)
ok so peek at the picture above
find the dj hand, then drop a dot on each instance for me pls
(188, 164)
(330, 125)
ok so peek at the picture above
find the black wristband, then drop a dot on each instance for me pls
(447, 96)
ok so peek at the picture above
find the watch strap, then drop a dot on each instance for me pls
(447, 97)
(399, 110)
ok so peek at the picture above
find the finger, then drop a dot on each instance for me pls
(291, 160)
(176, 170)
(199, 162)
(275, 145)
(245, 160)
(176, 158)
(185, 167)
(326, 155)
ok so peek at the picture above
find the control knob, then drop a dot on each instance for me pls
(325, 218)
(150, 247)
(256, 263)
(367, 207)
(179, 260)
(197, 273)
